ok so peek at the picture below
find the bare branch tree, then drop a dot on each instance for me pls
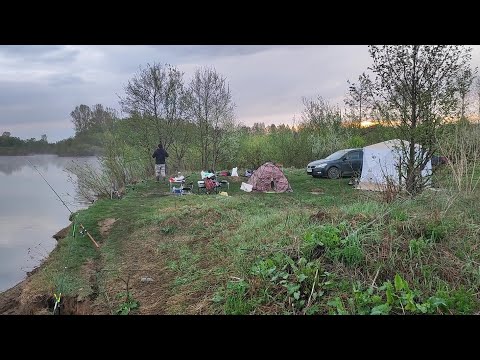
(145, 96)
(156, 97)
(211, 108)
(359, 98)
(464, 82)
(477, 94)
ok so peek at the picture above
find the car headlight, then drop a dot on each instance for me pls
(320, 166)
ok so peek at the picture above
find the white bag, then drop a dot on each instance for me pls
(234, 171)
(246, 187)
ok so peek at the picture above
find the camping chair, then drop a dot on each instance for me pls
(184, 187)
(202, 188)
(224, 183)
(173, 182)
(187, 189)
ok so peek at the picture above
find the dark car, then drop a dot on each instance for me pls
(438, 160)
(346, 162)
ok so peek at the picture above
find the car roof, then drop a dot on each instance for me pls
(350, 149)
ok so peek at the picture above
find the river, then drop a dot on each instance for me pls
(30, 212)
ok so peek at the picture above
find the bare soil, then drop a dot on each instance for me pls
(106, 226)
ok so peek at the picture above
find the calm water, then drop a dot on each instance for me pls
(30, 212)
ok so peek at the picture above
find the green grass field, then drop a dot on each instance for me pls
(325, 248)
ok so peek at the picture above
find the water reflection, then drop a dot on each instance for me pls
(30, 212)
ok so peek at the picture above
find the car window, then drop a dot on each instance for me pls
(354, 155)
(336, 156)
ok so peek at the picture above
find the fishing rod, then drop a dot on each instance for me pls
(58, 298)
(63, 202)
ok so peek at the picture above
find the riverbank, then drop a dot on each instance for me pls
(11, 299)
(31, 297)
(326, 248)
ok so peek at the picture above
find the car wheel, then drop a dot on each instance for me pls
(333, 173)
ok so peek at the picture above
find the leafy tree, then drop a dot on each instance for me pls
(325, 122)
(414, 90)
(319, 114)
(81, 118)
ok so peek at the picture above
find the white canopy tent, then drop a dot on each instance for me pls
(381, 162)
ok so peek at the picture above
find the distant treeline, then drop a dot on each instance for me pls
(85, 144)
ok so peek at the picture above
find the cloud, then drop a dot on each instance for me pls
(212, 51)
(43, 84)
(64, 79)
(39, 53)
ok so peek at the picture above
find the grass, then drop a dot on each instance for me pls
(334, 252)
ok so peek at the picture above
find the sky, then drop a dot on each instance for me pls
(41, 84)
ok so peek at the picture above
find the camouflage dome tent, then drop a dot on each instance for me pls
(269, 177)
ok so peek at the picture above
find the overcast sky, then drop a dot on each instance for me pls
(41, 85)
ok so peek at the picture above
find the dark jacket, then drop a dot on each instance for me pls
(160, 155)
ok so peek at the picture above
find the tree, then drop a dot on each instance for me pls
(325, 120)
(178, 130)
(102, 118)
(157, 94)
(318, 113)
(464, 82)
(81, 118)
(156, 99)
(414, 90)
(96, 118)
(258, 128)
(142, 101)
(358, 98)
(44, 138)
(211, 108)
(477, 93)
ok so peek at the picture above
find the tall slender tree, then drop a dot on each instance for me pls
(464, 82)
(212, 109)
(359, 98)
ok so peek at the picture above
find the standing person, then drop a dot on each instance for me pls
(160, 154)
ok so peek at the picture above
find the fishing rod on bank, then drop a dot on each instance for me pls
(64, 204)
(58, 298)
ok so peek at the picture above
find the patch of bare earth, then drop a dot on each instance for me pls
(320, 216)
(10, 300)
(151, 281)
(106, 226)
(141, 260)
